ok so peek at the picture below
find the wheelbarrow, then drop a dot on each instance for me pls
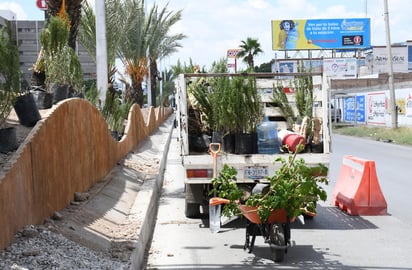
(275, 230)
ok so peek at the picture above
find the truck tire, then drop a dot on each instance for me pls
(192, 210)
(193, 199)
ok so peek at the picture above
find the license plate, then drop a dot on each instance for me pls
(256, 172)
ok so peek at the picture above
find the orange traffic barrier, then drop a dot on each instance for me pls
(357, 190)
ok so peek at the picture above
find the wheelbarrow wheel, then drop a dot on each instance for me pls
(277, 242)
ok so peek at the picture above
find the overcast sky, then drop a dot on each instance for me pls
(214, 26)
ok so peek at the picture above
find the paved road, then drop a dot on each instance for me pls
(332, 240)
(393, 168)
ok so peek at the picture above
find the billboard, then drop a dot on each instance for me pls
(379, 63)
(340, 67)
(320, 34)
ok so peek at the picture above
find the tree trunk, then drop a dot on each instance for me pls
(153, 80)
(134, 93)
(73, 9)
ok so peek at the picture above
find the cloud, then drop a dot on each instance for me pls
(16, 8)
(214, 26)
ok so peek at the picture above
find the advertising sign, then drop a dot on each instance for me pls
(409, 58)
(399, 59)
(313, 65)
(408, 105)
(377, 108)
(232, 53)
(286, 67)
(320, 34)
(340, 67)
(372, 108)
(41, 4)
(351, 111)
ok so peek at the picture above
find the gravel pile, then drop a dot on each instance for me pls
(38, 247)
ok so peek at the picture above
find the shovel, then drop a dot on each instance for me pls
(214, 209)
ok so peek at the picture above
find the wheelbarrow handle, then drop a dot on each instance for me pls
(218, 201)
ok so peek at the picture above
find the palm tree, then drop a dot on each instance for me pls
(146, 38)
(133, 48)
(249, 49)
(115, 24)
(132, 36)
(160, 43)
(70, 11)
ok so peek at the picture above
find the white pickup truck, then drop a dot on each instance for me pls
(199, 166)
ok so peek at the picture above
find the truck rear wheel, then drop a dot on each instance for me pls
(194, 196)
(192, 210)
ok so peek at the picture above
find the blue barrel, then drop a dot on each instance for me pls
(267, 132)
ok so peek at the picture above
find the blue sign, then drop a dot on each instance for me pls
(338, 33)
(409, 58)
(349, 110)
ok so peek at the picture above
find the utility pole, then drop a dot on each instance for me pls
(101, 51)
(392, 103)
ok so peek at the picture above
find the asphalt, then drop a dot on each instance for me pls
(119, 216)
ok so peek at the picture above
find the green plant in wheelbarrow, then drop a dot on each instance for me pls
(295, 187)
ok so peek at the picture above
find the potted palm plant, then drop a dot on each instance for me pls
(21, 99)
(61, 64)
(9, 77)
(115, 113)
(225, 118)
(248, 111)
(8, 138)
(230, 108)
(44, 99)
(200, 114)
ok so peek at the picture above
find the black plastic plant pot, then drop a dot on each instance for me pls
(8, 139)
(26, 110)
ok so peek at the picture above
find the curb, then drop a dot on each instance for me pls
(146, 206)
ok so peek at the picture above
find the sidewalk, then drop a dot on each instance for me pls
(120, 214)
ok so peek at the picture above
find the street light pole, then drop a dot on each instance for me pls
(101, 51)
(392, 103)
